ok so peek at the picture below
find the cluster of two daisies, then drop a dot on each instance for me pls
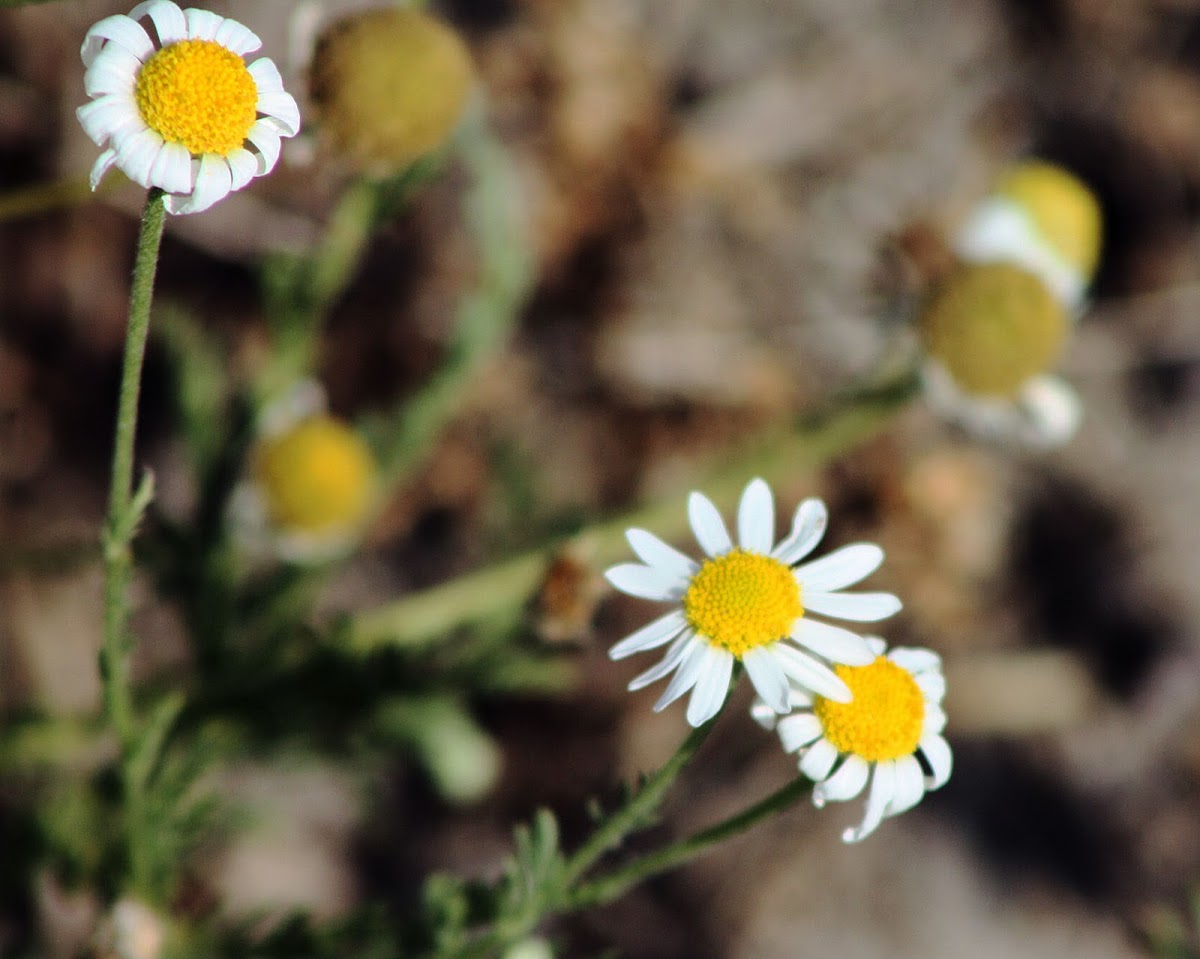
(854, 712)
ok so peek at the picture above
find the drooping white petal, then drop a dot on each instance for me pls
(844, 784)
(808, 526)
(645, 581)
(244, 166)
(137, 153)
(883, 788)
(237, 37)
(768, 677)
(108, 116)
(712, 686)
(114, 70)
(120, 30)
(1052, 409)
(202, 24)
(675, 653)
(933, 685)
(266, 75)
(214, 180)
(104, 163)
(265, 138)
(817, 763)
(935, 719)
(655, 553)
(169, 21)
(657, 633)
(811, 674)
(281, 108)
(707, 525)
(937, 753)
(841, 568)
(859, 607)
(797, 730)
(834, 643)
(756, 517)
(910, 785)
(172, 170)
(690, 667)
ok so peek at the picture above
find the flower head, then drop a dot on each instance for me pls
(889, 733)
(748, 603)
(177, 107)
(312, 484)
(991, 332)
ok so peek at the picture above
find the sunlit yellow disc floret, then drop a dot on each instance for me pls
(1064, 211)
(884, 719)
(319, 476)
(199, 94)
(993, 326)
(391, 85)
(743, 600)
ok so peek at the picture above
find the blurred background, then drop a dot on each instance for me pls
(725, 206)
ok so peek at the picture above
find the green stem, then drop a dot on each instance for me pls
(616, 883)
(124, 510)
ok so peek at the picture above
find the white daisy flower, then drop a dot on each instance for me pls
(177, 107)
(312, 482)
(747, 603)
(890, 733)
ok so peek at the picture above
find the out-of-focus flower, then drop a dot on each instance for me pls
(312, 483)
(177, 107)
(134, 931)
(890, 733)
(1041, 218)
(390, 85)
(991, 331)
(746, 603)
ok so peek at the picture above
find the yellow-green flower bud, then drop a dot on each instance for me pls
(993, 326)
(390, 86)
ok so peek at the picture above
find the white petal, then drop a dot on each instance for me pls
(667, 664)
(244, 166)
(811, 674)
(763, 714)
(281, 107)
(690, 667)
(137, 153)
(266, 138)
(910, 785)
(841, 568)
(120, 30)
(103, 164)
(877, 645)
(844, 784)
(172, 170)
(756, 517)
(817, 763)
(859, 607)
(711, 688)
(266, 75)
(114, 70)
(933, 685)
(937, 753)
(202, 24)
(834, 643)
(237, 37)
(915, 659)
(169, 21)
(655, 634)
(935, 719)
(1052, 409)
(768, 677)
(645, 581)
(707, 525)
(108, 116)
(883, 788)
(808, 526)
(214, 180)
(798, 730)
(654, 552)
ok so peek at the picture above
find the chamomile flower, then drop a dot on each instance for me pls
(176, 106)
(888, 734)
(1042, 218)
(991, 333)
(749, 604)
(312, 483)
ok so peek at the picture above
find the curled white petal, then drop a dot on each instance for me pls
(121, 30)
(109, 116)
(910, 786)
(265, 137)
(818, 761)
(707, 525)
(243, 165)
(214, 180)
(137, 153)
(168, 19)
(237, 37)
(937, 753)
(883, 789)
(844, 784)
(104, 163)
(202, 24)
(114, 70)
(756, 517)
(808, 526)
(281, 108)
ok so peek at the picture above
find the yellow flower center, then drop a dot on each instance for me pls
(317, 477)
(742, 600)
(993, 326)
(1062, 208)
(200, 94)
(883, 720)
